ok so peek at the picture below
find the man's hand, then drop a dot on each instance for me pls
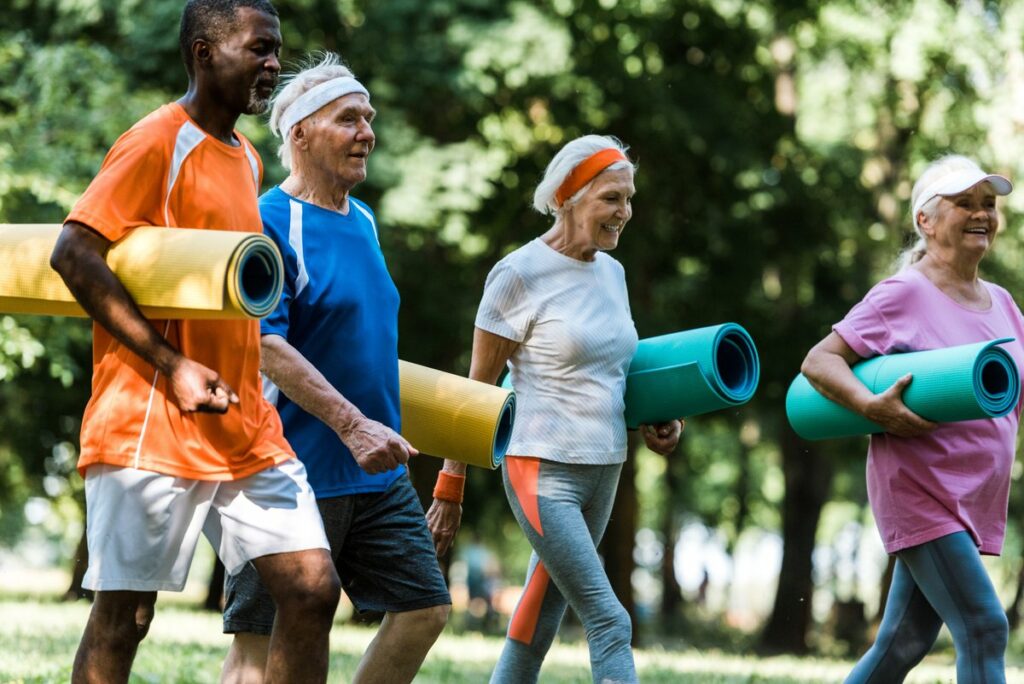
(376, 447)
(196, 388)
(443, 520)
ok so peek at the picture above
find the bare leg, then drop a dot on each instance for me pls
(247, 659)
(305, 587)
(119, 620)
(396, 653)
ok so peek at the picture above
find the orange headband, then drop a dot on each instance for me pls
(585, 172)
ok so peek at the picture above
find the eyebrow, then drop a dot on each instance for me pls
(366, 111)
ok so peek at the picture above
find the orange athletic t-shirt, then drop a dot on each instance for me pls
(166, 171)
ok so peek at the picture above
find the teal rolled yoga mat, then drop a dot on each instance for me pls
(688, 373)
(965, 382)
(691, 372)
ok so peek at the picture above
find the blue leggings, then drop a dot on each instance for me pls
(563, 510)
(939, 581)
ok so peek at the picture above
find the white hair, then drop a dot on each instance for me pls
(567, 159)
(938, 168)
(320, 67)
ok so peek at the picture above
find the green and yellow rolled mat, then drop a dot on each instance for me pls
(691, 372)
(448, 416)
(170, 272)
(965, 382)
(688, 373)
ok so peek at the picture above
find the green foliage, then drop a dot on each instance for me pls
(777, 143)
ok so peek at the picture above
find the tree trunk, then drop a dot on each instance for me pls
(671, 595)
(79, 565)
(808, 478)
(883, 591)
(215, 589)
(620, 538)
(1013, 612)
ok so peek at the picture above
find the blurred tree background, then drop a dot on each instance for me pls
(777, 143)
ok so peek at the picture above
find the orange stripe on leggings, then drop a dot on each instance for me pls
(523, 473)
(524, 621)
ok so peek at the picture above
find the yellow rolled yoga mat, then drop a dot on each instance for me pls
(169, 272)
(448, 416)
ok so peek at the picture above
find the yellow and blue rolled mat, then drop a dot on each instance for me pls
(448, 416)
(966, 382)
(176, 273)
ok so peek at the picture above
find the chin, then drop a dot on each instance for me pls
(257, 104)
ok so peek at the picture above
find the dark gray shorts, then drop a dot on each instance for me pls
(383, 552)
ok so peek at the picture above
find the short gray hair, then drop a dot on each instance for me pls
(567, 159)
(319, 67)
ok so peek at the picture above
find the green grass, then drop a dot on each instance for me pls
(38, 641)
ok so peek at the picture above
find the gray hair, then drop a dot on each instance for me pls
(567, 159)
(935, 170)
(319, 67)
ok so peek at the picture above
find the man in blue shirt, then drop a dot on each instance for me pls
(330, 357)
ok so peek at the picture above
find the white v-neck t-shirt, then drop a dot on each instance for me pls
(576, 339)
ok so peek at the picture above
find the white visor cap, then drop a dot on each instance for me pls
(959, 180)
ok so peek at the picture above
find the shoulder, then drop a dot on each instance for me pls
(1002, 297)
(275, 212)
(610, 263)
(897, 291)
(362, 207)
(154, 136)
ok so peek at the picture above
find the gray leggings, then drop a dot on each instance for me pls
(564, 509)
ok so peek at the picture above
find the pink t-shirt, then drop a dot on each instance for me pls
(956, 477)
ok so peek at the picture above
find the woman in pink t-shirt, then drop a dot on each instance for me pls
(938, 492)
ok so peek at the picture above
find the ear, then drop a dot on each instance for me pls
(202, 52)
(925, 223)
(298, 136)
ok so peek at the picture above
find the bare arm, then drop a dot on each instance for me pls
(375, 447)
(490, 354)
(79, 258)
(827, 368)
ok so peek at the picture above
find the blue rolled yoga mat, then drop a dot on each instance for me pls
(965, 382)
(688, 373)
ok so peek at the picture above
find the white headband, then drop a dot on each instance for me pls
(958, 181)
(315, 98)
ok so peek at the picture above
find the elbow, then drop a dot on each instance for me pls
(60, 257)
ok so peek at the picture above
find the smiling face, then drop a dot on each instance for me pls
(964, 225)
(243, 63)
(596, 221)
(337, 140)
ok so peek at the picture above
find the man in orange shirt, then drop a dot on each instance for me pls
(177, 438)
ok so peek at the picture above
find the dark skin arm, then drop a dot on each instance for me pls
(79, 258)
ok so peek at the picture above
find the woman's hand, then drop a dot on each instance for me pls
(888, 410)
(662, 438)
(444, 519)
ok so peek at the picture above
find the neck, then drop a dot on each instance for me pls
(211, 115)
(948, 268)
(558, 238)
(323, 192)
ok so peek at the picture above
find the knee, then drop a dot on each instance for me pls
(312, 596)
(434, 619)
(991, 630)
(616, 627)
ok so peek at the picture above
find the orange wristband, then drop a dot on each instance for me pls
(449, 487)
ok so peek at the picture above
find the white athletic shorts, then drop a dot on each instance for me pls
(143, 526)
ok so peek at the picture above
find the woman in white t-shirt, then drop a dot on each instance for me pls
(557, 312)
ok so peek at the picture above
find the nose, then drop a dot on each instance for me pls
(272, 64)
(365, 133)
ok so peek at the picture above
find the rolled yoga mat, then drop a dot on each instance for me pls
(691, 372)
(688, 373)
(966, 382)
(169, 272)
(448, 416)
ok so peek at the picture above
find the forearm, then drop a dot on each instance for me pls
(303, 384)
(830, 374)
(79, 259)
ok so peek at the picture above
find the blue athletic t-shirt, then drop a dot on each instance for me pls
(339, 309)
